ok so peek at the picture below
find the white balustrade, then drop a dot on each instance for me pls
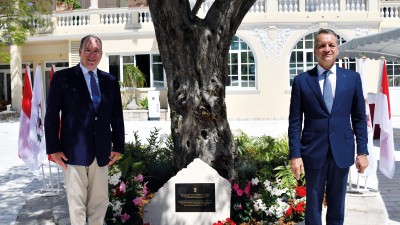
(115, 17)
(356, 5)
(47, 20)
(288, 5)
(141, 15)
(390, 10)
(73, 19)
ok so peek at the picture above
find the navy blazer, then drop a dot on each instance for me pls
(84, 134)
(310, 139)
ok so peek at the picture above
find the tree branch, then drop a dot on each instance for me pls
(230, 11)
(197, 6)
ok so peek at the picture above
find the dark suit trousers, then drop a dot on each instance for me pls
(332, 179)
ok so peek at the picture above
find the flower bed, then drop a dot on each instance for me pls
(264, 190)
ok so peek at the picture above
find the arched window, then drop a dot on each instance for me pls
(302, 57)
(242, 67)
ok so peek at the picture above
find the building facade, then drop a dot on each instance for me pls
(273, 44)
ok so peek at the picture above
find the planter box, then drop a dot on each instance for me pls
(137, 3)
(62, 6)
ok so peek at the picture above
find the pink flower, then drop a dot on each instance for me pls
(239, 207)
(125, 217)
(236, 187)
(137, 201)
(239, 192)
(144, 191)
(247, 188)
(139, 178)
(122, 187)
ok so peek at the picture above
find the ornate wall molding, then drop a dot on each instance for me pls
(272, 39)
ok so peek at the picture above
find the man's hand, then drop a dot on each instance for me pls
(114, 156)
(361, 163)
(58, 158)
(297, 167)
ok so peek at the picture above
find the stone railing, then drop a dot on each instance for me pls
(129, 17)
(321, 5)
(390, 9)
(136, 17)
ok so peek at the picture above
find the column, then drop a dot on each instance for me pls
(271, 6)
(94, 4)
(16, 76)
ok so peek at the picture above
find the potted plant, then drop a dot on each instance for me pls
(63, 5)
(134, 78)
(137, 3)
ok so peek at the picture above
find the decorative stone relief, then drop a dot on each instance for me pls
(360, 31)
(272, 39)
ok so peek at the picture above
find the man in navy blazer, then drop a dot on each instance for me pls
(321, 133)
(84, 133)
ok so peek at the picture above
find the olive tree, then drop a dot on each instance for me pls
(18, 20)
(195, 53)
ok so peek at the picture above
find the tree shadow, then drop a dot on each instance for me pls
(18, 185)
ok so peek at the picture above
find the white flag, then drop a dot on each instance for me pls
(36, 131)
(383, 118)
(24, 144)
(372, 159)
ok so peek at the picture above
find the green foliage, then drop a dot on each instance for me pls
(144, 103)
(19, 19)
(260, 155)
(264, 186)
(153, 160)
(133, 77)
(76, 5)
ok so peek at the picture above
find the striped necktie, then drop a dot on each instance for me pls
(95, 91)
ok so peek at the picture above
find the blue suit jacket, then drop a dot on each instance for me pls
(84, 134)
(311, 138)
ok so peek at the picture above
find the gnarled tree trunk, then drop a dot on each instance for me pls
(194, 52)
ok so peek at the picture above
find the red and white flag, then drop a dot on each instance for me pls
(383, 118)
(24, 144)
(373, 164)
(36, 131)
(51, 77)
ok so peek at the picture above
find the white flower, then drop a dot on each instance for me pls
(254, 181)
(267, 184)
(117, 207)
(114, 179)
(259, 205)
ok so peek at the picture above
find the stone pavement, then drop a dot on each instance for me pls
(24, 199)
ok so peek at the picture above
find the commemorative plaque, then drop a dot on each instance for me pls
(195, 197)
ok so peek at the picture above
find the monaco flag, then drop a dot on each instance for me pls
(51, 77)
(383, 118)
(36, 131)
(373, 164)
(24, 144)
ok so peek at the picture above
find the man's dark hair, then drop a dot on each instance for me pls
(88, 37)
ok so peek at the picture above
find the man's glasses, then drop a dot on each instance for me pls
(89, 52)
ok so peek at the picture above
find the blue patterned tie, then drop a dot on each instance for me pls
(328, 93)
(95, 91)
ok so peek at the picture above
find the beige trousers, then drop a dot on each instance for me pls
(87, 193)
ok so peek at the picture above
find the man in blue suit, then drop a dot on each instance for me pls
(91, 135)
(327, 109)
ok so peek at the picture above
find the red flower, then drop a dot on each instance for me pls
(299, 208)
(301, 191)
(289, 212)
